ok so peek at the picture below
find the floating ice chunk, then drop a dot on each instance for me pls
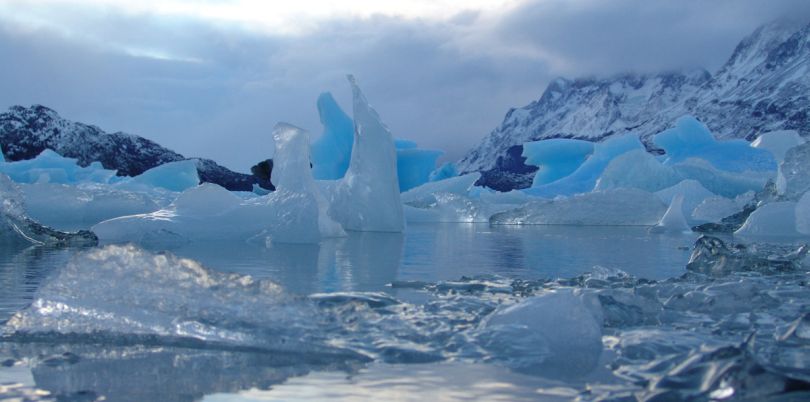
(414, 166)
(50, 167)
(673, 220)
(584, 178)
(71, 207)
(714, 209)
(367, 198)
(727, 184)
(456, 185)
(778, 142)
(173, 176)
(692, 139)
(637, 169)
(295, 213)
(333, 149)
(445, 171)
(555, 158)
(557, 334)
(205, 200)
(775, 219)
(449, 207)
(692, 193)
(619, 207)
(128, 292)
(14, 220)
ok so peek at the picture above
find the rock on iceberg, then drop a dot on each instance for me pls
(367, 198)
(618, 207)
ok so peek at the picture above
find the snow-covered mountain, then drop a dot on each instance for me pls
(764, 86)
(26, 132)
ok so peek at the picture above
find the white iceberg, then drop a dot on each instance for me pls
(772, 220)
(50, 167)
(617, 207)
(295, 213)
(692, 194)
(674, 219)
(367, 198)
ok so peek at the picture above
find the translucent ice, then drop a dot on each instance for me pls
(796, 180)
(803, 214)
(445, 171)
(460, 185)
(583, 179)
(637, 169)
(727, 184)
(599, 208)
(367, 198)
(295, 213)
(692, 139)
(50, 167)
(71, 207)
(414, 166)
(557, 334)
(332, 150)
(778, 142)
(775, 219)
(173, 176)
(691, 192)
(556, 158)
(673, 220)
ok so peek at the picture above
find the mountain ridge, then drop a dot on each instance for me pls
(26, 132)
(763, 86)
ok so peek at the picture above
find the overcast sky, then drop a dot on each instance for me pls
(210, 78)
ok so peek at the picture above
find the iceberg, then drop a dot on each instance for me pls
(367, 198)
(295, 213)
(173, 176)
(727, 184)
(637, 169)
(414, 166)
(778, 143)
(692, 194)
(449, 207)
(460, 185)
(714, 209)
(772, 220)
(692, 139)
(50, 167)
(71, 207)
(332, 151)
(674, 219)
(795, 181)
(445, 171)
(13, 220)
(556, 158)
(803, 214)
(618, 207)
(584, 178)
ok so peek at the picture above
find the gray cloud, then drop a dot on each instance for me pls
(216, 90)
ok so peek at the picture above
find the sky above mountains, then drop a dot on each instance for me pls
(210, 78)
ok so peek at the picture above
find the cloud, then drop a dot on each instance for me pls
(444, 77)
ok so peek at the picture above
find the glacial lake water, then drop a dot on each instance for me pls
(131, 370)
